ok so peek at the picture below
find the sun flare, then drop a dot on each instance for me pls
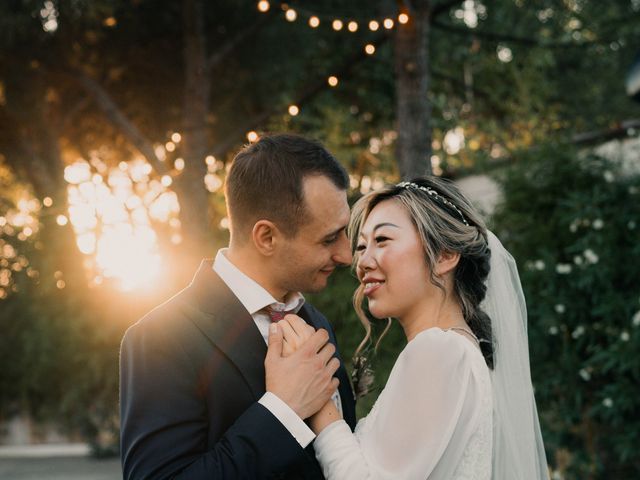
(112, 213)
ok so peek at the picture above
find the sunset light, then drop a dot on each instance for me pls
(112, 216)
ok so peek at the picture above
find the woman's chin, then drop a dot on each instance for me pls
(377, 311)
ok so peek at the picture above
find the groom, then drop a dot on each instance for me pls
(194, 400)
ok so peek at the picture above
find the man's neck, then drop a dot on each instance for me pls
(252, 265)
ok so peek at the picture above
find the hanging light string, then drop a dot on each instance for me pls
(338, 23)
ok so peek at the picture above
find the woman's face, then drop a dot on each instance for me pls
(391, 263)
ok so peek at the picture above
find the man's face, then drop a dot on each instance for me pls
(305, 261)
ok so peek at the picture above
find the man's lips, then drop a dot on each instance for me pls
(328, 271)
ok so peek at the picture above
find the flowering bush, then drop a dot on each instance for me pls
(572, 221)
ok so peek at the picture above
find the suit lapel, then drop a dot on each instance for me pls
(221, 317)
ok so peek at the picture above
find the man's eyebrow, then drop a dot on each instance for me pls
(380, 225)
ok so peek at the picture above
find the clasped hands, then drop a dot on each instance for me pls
(300, 365)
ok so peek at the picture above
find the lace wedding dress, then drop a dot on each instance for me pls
(433, 420)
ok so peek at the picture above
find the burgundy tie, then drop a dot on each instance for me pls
(276, 315)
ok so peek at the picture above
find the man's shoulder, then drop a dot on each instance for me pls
(162, 320)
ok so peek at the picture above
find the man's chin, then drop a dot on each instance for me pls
(317, 286)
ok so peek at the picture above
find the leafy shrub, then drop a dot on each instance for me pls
(572, 221)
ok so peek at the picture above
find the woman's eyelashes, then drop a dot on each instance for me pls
(379, 239)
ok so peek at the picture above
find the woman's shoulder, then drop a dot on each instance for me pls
(435, 347)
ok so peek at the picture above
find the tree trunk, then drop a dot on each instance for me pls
(413, 146)
(190, 184)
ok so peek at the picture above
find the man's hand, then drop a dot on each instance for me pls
(304, 380)
(296, 332)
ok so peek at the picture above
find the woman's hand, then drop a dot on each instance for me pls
(324, 417)
(296, 332)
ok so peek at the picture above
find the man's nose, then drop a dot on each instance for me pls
(342, 255)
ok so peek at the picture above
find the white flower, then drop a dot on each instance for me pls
(560, 308)
(557, 475)
(577, 260)
(635, 320)
(631, 225)
(574, 225)
(633, 190)
(539, 265)
(553, 330)
(608, 176)
(607, 402)
(584, 373)
(563, 268)
(598, 224)
(590, 256)
(624, 336)
(578, 332)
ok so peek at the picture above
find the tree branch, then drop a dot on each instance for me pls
(620, 130)
(120, 120)
(220, 54)
(501, 37)
(302, 97)
(443, 7)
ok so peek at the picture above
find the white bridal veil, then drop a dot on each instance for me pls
(518, 451)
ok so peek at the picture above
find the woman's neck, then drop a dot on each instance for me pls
(444, 315)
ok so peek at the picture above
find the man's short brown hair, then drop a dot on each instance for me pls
(266, 181)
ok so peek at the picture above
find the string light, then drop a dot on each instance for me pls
(332, 80)
(176, 137)
(338, 24)
(166, 180)
(369, 49)
(293, 110)
(252, 136)
(62, 220)
(47, 201)
(291, 15)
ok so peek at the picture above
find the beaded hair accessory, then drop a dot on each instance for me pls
(433, 194)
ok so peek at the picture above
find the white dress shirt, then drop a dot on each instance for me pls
(254, 298)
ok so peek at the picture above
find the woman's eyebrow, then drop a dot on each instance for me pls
(380, 225)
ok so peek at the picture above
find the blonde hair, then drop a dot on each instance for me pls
(446, 222)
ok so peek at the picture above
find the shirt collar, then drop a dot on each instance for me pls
(250, 293)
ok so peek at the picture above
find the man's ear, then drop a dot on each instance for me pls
(265, 235)
(447, 261)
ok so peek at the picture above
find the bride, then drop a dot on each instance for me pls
(459, 402)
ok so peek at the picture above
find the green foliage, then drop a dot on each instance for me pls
(570, 220)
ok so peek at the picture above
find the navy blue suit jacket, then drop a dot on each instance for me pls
(191, 372)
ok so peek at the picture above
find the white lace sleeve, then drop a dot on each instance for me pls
(421, 422)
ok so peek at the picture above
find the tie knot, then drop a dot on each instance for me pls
(277, 315)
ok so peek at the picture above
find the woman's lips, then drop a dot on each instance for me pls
(371, 286)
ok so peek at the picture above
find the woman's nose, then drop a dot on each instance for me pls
(365, 260)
